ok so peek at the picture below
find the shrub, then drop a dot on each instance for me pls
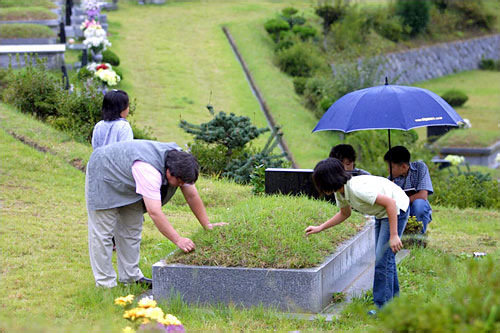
(34, 90)
(299, 60)
(387, 25)
(4, 81)
(474, 14)
(489, 64)
(354, 28)
(299, 84)
(415, 14)
(330, 14)
(80, 111)
(119, 72)
(289, 14)
(84, 74)
(455, 97)
(21, 30)
(289, 11)
(26, 13)
(304, 32)
(316, 89)
(144, 133)
(111, 58)
(275, 26)
(465, 189)
(470, 306)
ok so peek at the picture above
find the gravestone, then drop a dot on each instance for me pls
(292, 182)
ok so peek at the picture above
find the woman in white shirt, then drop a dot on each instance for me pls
(370, 195)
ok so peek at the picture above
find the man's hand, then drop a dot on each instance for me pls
(312, 230)
(210, 226)
(185, 244)
(395, 244)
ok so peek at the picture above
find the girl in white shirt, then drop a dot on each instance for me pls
(370, 195)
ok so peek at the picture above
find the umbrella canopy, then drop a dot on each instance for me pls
(387, 107)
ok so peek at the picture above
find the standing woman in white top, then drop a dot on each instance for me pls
(370, 195)
(114, 127)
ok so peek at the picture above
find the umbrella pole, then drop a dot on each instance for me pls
(390, 163)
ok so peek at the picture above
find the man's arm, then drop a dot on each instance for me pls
(196, 204)
(161, 222)
(197, 207)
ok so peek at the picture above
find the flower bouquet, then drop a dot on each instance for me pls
(87, 23)
(147, 316)
(95, 38)
(105, 73)
(92, 8)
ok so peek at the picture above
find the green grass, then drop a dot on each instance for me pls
(28, 3)
(481, 109)
(46, 276)
(26, 13)
(21, 30)
(175, 72)
(259, 223)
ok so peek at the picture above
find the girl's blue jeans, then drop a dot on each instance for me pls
(385, 282)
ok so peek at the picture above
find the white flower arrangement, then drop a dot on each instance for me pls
(105, 73)
(108, 76)
(95, 38)
(497, 159)
(455, 159)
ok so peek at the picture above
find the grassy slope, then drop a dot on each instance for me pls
(46, 275)
(173, 62)
(482, 108)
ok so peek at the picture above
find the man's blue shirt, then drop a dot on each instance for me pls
(418, 178)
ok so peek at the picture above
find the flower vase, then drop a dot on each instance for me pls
(96, 56)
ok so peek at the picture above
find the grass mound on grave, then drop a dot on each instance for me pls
(268, 232)
(22, 30)
(28, 3)
(26, 13)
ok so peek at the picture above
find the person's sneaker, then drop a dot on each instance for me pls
(145, 281)
(372, 313)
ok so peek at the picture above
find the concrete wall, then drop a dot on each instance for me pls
(438, 60)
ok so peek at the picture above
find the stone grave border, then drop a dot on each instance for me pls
(54, 53)
(294, 290)
(476, 156)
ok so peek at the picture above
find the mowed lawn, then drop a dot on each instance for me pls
(176, 60)
(45, 270)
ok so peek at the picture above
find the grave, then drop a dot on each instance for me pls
(292, 182)
(476, 156)
(53, 53)
(295, 290)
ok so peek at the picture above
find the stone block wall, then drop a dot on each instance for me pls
(438, 60)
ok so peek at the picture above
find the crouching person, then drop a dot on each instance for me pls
(370, 195)
(414, 179)
(123, 181)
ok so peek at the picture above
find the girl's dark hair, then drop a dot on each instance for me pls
(329, 176)
(182, 165)
(114, 102)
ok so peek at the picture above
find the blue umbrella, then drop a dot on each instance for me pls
(388, 107)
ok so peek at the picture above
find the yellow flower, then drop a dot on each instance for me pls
(147, 303)
(128, 329)
(122, 301)
(170, 320)
(154, 314)
(135, 313)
